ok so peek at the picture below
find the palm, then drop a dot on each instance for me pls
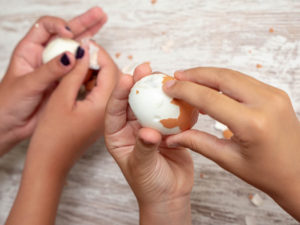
(171, 174)
(27, 58)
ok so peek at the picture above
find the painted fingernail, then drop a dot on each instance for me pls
(170, 83)
(79, 53)
(68, 28)
(65, 60)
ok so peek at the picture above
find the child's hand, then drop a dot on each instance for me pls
(161, 178)
(72, 124)
(27, 82)
(65, 129)
(265, 148)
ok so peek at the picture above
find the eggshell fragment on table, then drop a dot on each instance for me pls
(154, 109)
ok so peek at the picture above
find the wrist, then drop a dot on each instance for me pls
(38, 195)
(288, 197)
(175, 211)
(47, 160)
(7, 142)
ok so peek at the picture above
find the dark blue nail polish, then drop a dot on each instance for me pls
(65, 60)
(79, 53)
(68, 28)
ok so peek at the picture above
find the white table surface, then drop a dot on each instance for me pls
(171, 35)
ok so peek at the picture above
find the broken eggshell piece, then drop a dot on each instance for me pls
(154, 109)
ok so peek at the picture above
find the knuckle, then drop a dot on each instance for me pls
(191, 140)
(223, 72)
(210, 97)
(258, 124)
(279, 100)
(44, 18)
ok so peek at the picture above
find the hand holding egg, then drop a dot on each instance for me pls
(60, 45)
(154, 109)
(159, 176)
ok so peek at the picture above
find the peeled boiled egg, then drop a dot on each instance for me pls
(60, 45)
(154, 109)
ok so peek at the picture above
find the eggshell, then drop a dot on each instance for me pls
(227, 134)
(154, 109)
(60, 45)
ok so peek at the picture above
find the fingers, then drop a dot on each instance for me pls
(145, 150)
(107, 77)
(45, 27)
(142, 71)
(42, 78)
(89, 23)
(209, 101)
(223, 152)
(232, 83)
(116, 111)
(70, 85)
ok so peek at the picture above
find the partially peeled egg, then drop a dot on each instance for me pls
(60, 45)
(154, 109)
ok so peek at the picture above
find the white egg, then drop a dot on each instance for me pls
(61, 45)
(154, 109)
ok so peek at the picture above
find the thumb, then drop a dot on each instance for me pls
(145, 149)
(70, 85)
(47, 74)
(223, 152)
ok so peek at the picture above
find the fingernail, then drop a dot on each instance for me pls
(146, 142)
(65, 60)
(173, 145)
(68, 28)
(79, 53)
(170, 83)
(178, 73)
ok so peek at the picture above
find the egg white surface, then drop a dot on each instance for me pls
(150, 104)
(59, 46)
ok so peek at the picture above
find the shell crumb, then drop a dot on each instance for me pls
(130, 57)
(256, 200)
(153, 2)
(118, 54)
(271, 30)
(227, 134)
(220, 126)
(258, 66)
